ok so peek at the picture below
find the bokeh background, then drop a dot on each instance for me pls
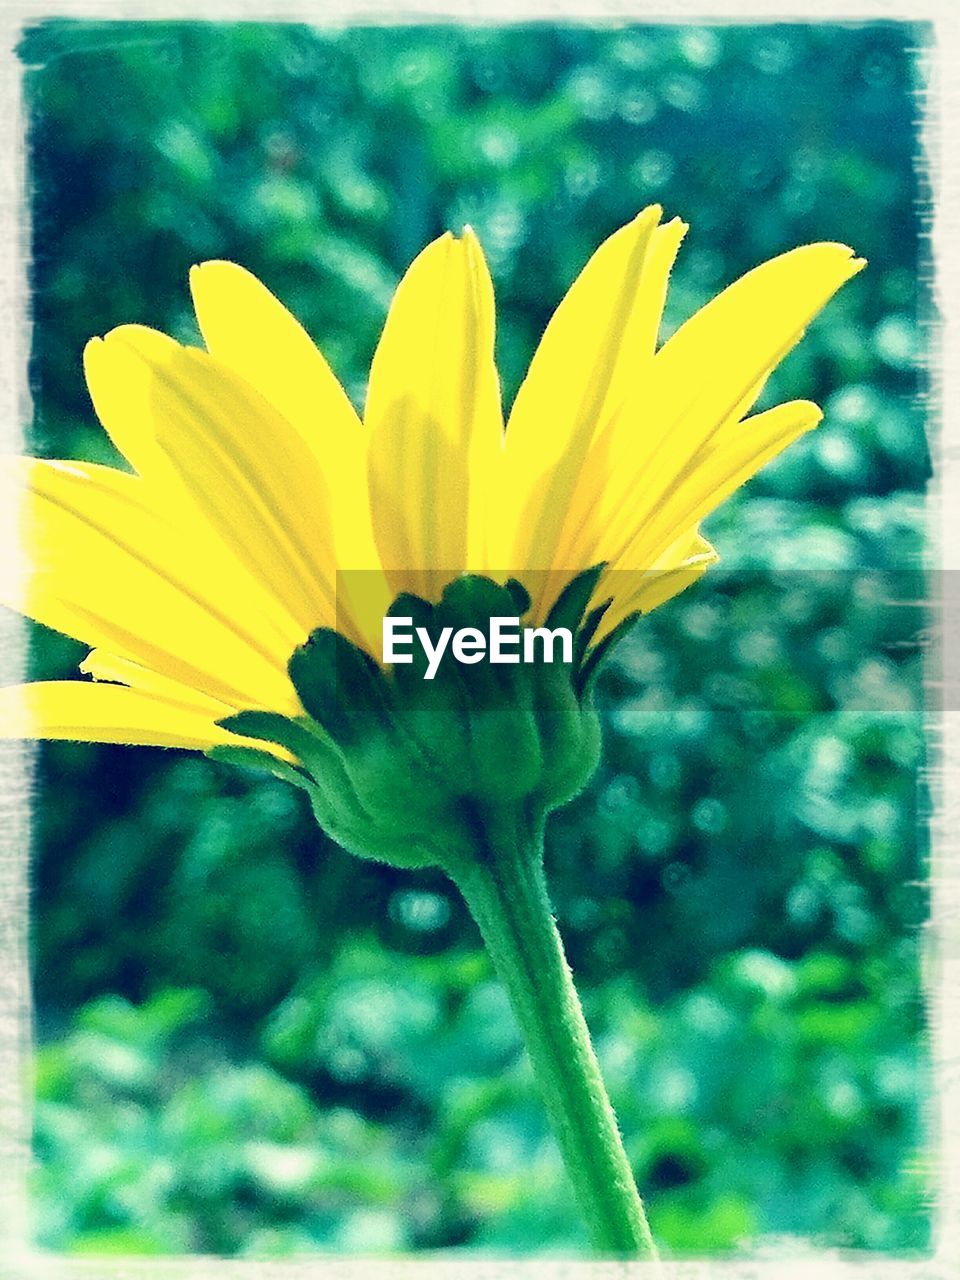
(250, 1043)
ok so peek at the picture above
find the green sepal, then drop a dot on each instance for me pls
(570, 736)
(590, 668)
(301, 737)
(519, 595)
(354, 800)
(422, 705)
(340, 686)
(571, 604)
(260, 762)
(587, 631)
(265, 726)
(496, 702)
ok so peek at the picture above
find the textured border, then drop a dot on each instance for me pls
(940, 112)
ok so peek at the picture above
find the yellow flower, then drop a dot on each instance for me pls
(256, 486)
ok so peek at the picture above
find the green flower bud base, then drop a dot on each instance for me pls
(460, 772)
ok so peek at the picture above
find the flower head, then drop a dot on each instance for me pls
(262, 511)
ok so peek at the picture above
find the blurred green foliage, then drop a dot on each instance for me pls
(251, 1043)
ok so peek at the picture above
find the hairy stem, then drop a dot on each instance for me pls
(506, 892)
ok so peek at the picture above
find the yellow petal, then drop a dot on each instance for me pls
(103, 566)
(104, 666)
(593, 355)
(708, 373)
(636, 588)
(434, 417)
(737, 452)
(252, 476)
(120, 388)
(246, 327)
(123, 371)
(80, 712)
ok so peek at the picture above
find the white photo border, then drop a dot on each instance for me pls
(940, 118)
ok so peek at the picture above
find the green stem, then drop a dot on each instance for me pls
(506, 892)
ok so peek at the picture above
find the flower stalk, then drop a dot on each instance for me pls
(506, 892)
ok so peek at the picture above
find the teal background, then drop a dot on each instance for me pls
(250, 1043)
